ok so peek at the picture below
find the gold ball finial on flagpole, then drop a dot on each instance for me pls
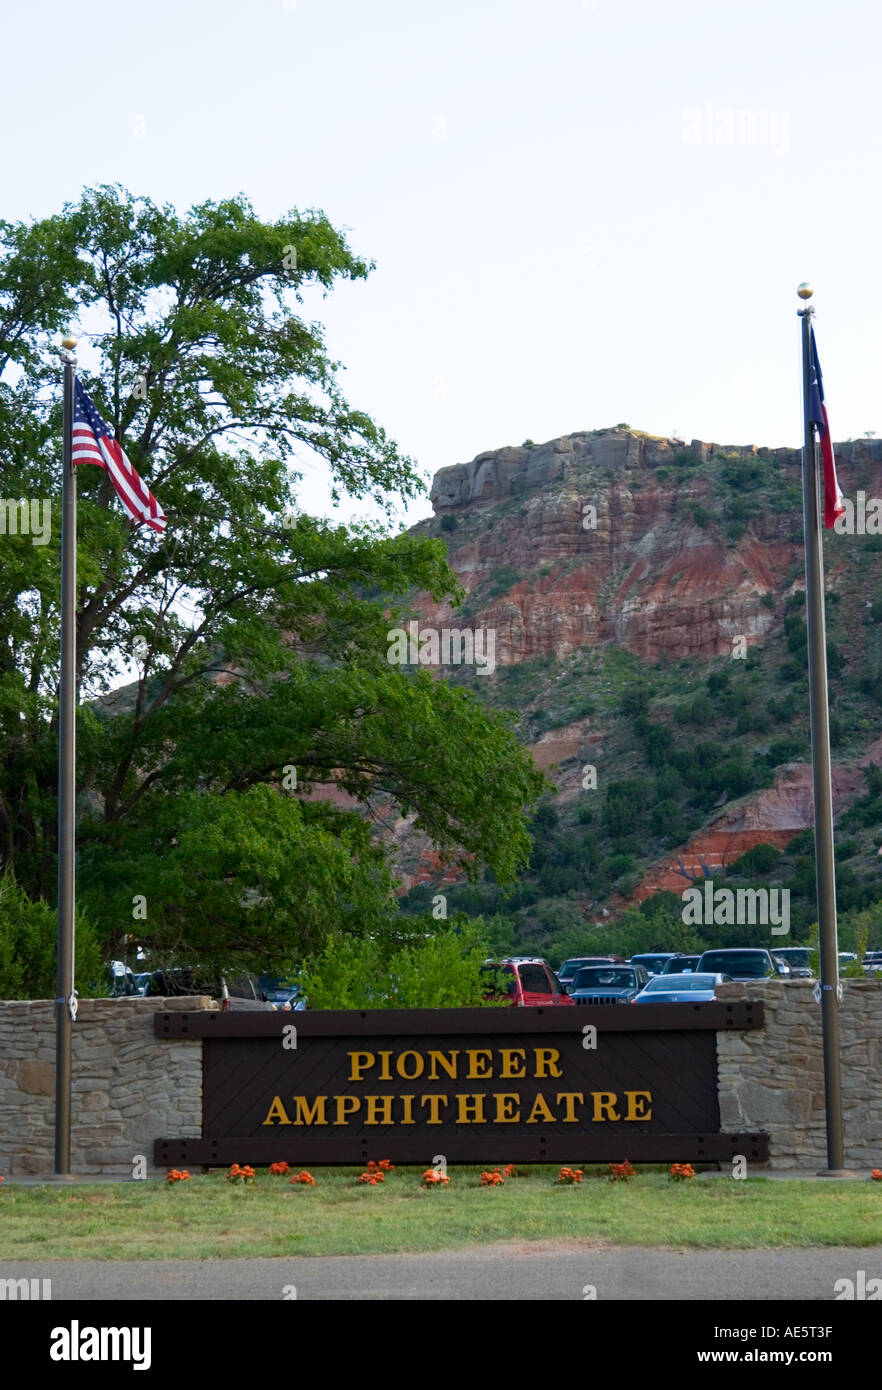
(69, 341)
(805, 290)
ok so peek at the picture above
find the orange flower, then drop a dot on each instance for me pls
(278, 1168)
(621, 1172)
(432, 1178)
(178, 1175)
(681, 1171)
(494, 1179)
(372, 1178)
(305, 1178)
(243, 1174)
(509, 1171)
(876, 1175)
(570, 1175)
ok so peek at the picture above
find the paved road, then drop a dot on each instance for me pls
(538, 1270)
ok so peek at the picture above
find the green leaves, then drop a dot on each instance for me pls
(27, 948)
(435, 969)
(253, 878)
(254, 636)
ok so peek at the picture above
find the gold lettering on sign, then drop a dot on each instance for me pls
(418, 1066)
(480, 1068)
(385, 1073)
(306, 1116)
(604, 1101)
(346, 1105)
(447, 1060)
(569, 1099)
(513, 1062)
(639, 1105)
(547, 1060)
(540, 1111)
(475, 1103)
(505, 1101)
(433, 1102)
(277, 1112)
(373, 1102)
(357, 1067)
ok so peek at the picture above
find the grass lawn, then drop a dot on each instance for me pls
(209, 1217)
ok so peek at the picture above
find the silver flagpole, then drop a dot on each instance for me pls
(65, 999)
(825, 869)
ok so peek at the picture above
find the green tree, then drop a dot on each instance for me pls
(441, 969)
(27, 948)
(259, 635)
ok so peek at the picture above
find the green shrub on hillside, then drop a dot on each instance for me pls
(762, 859)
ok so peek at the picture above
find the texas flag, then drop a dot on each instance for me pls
(833, 503)
(93, 442)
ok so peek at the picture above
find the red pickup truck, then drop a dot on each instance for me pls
(526, 980)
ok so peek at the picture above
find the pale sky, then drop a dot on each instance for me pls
(582, 211)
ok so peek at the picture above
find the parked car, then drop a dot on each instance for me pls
(797, 957)
(691, 988)
(232, 992)
(681, 964)
(608, 984)
(872, 963)
(569, 969)
(526, 980)
(123, 983)
(653, 962)
(744, 963)
(282, 994)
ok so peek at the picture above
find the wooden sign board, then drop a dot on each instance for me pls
(594, 1084)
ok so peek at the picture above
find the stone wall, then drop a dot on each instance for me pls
(772, 1078)
(128, 1088)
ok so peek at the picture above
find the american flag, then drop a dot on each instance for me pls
(93, 442)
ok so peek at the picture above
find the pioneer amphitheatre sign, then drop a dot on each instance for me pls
(483, 1085)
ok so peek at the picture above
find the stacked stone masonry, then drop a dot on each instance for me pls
(773, 1078)
(128, 1088)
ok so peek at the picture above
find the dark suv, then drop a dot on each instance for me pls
(571, 967)
(744, 963)
(653, 962)
(608, 984)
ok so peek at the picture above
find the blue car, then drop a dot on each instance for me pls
(690, 988)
